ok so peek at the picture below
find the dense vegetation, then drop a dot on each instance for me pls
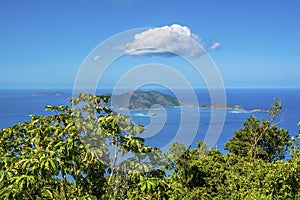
(141, 100)
(66, 156)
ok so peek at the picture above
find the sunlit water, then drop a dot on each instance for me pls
(16, 105)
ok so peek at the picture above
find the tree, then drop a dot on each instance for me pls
(261, 138)
(66, 154)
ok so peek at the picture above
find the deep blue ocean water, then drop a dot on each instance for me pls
(17, 105)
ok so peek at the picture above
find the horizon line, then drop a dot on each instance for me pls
(107, 88)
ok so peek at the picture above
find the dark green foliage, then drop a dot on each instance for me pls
(144, 100)
(65, 156)
(261, 138)
(70, 143)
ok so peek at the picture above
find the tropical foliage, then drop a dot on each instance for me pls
(78, 153)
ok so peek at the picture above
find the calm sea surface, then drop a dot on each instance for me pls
(16, 105)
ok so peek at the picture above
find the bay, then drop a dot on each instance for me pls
(17, 105)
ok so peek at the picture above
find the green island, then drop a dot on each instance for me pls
(66, 156)
(222, 106)
(145, 100)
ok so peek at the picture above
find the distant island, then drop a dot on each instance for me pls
(222, 106)
(145, 100)
(47, 94)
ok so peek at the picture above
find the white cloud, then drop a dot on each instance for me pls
(95, 58)
(215, 46)
(166, 41)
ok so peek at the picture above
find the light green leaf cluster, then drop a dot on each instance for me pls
(66, 156)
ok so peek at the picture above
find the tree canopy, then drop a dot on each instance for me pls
(77, 152)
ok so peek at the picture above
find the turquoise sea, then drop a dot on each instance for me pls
(17, 105)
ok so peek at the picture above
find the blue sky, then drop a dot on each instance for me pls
(43, 43)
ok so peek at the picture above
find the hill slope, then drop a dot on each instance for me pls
(142, 100)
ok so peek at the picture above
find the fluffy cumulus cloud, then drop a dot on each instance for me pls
(167, 41)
